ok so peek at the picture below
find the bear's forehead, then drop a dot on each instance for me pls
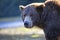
(29, 9)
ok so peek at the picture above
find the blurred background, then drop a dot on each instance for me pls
(11, 25)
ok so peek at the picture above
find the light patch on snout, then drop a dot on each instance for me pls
(28, 19)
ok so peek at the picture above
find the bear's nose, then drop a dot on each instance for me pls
(26, 24)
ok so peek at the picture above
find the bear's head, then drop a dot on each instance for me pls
(31, 14)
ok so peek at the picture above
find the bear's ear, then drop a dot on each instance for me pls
(40, 8)
(21, 7)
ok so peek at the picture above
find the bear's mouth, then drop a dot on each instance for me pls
(28, 26)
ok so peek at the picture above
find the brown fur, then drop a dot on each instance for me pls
(58, 38)
(52, 12)
(45, 14)
(55, 3)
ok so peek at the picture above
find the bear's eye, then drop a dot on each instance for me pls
(24, 15)
(31, 15)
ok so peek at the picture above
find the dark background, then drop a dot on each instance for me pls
(10, 8)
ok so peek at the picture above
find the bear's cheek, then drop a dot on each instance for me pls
(35, 19)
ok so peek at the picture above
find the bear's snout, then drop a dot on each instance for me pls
(26, 24)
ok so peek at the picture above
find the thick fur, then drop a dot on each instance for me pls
(44, 15)
(51, 19)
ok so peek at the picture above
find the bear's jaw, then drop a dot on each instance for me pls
(28, 27)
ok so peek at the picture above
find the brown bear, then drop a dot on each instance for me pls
(44, 15)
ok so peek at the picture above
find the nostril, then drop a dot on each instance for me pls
(26, 23)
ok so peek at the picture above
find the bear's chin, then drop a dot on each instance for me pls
(28, 26)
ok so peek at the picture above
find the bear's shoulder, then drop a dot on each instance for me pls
(56, 2)
(53, 4)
